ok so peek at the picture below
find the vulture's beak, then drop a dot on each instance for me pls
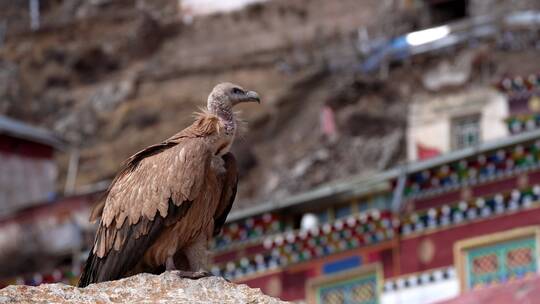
(253, 96)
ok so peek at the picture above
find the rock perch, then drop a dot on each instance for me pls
(143, 288)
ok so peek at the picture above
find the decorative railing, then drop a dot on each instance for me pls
(366, 229)
(301, 245)
(464, 211)
(484, 167)
(523, 94)
(248, 231)
(419, 279)
(519, 84)
(526, 122)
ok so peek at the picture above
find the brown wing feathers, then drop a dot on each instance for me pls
(128, 166)
(155, 188)
(131, 223)
(228, 193)
(205, 124)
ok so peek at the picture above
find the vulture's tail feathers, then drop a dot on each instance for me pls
(89, 271)
(117, 264)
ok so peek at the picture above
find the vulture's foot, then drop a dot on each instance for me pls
(194, 275)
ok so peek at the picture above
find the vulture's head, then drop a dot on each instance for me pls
(227, 95)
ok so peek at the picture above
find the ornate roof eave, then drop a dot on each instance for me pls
(25, 131)
(344, 189)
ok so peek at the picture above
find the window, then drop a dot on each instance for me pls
(382, 202)
(465, 131)
(359, 285)
(497, 258)
(343, 211)
(323, 217)
(501, 262)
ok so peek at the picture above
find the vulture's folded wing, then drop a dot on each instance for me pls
(228, 193)
(154, 190)
(130, 164)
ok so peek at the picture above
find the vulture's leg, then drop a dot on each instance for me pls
(197, 255)
(198, 260)
(181, 261)
(169, 264)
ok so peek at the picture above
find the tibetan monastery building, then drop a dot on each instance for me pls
(466, 218)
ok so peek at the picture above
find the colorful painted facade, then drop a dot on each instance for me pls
(461, 196)
(423, 232)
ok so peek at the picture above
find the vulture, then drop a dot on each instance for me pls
(169, 199)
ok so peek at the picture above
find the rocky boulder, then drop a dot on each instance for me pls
(143, 288)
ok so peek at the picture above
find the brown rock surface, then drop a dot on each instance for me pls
(142, 288)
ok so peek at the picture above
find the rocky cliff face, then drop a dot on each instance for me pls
(115, 76)
(142, 288)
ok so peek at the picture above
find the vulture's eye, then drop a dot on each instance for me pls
(237, 91)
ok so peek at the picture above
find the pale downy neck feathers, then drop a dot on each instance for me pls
(225, 114)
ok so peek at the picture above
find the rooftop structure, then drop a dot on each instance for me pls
(21, 130)
(29, 172)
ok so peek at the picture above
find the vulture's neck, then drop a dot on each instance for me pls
(226, 115)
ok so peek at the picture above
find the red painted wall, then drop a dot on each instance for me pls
(11, 145)
(292, 286)
(437, 200)
(235, 254)
(444, 240)
(62, 205)
(288, 285)
(477, 191)
(495, 187)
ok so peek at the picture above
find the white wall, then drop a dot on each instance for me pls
(25, 181)
(424, 294)
(429, 118)
(202, 7)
